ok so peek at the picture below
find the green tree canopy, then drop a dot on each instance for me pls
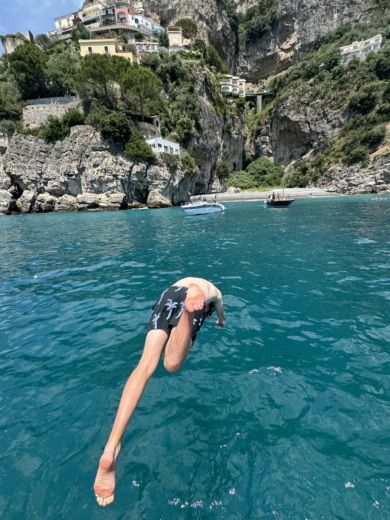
(27, 64)
(94, 82)
(138, 150)
(189, 28)
(62, 67)
(141, 88)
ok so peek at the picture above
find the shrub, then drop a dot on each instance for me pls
(115, 126)
(188, 26)
(297, 176)
(363, 102)
(222, 169)
(172, 161)
(382, 66)
(356, 155)
(242, 180)
(163, 39)
(138, 150)
(73, 117)
(54, 129)
(188, 163)
(58, 128)
(257, 20)
(214, 59)
(185, 129)
(265, 172)
(374, 138)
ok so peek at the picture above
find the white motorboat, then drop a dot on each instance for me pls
(202, 208)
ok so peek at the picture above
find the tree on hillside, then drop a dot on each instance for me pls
(27, 64)
(94, 82)
(141, 87)
(80, 32)
(163, 39)
(43, 41)
(62, 67)
(10, 106)
(189, 28)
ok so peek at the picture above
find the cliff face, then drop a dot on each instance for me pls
(299, 124)
(221, 138)
(210, 16)
(83, 172)
(298, 23)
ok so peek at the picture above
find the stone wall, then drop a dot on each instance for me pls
(36, 111)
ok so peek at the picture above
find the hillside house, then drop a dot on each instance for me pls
(108, 46)
(160, 145)
(233, 85)
(360, 49)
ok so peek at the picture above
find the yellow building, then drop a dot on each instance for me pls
(108, 46)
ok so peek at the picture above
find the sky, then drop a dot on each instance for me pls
(36, 16)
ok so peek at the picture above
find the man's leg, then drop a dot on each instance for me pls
(105, 478)
(179, 343)
(180, 339)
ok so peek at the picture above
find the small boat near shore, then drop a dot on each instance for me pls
(202, 208)
(279, 203)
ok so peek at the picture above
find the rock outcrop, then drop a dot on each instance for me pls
(221, 138)
(83, 172)
(299, 124)
(374, 178)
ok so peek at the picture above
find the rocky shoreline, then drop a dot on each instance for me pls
(83, 172)
(86, 172)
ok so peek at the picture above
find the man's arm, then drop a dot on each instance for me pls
(220, 312)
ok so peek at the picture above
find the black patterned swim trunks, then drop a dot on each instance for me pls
(169, 308)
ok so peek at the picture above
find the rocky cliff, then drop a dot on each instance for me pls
(210, 16)
(297, 24)
(83, 171)
(299, 124)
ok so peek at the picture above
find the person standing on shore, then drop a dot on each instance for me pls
(177, 317)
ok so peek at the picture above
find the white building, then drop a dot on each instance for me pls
(145, 46)
(160, 145)
(233, 85)
(141, 22)
(65, 23)
(359, 50)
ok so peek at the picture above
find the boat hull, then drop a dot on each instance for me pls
(203, 209)
(279, 203)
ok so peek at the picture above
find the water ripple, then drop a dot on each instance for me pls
(282, 414)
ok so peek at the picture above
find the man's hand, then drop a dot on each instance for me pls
(195, 299)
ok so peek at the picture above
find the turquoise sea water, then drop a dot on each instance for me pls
(284, 414)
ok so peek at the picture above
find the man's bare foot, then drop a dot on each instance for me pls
(105, 478)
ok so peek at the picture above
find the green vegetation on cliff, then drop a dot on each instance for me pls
(117, 96)
(358, 91)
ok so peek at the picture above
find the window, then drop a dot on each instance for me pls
(159, 145)
(89, 50)
(105, 50)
